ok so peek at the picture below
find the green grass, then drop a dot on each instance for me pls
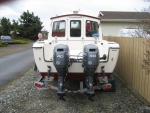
(3, 44)
(20, 41)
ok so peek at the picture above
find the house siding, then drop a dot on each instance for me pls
(112, 28)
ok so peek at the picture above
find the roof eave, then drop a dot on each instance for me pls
(120, 20)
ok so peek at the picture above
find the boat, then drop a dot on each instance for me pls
(75, 51)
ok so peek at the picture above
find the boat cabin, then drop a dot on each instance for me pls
(75, 26)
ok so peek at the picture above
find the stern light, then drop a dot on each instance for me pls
(38, 84)
(48, 86)
(106, 86)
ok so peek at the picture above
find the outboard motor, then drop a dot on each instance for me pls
(90, 63)
(61, 63)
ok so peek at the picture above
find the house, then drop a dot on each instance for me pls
(45, 34)
(112, 22)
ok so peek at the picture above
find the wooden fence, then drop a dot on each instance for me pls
(129, 65)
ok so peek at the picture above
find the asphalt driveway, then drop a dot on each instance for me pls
(13, 64)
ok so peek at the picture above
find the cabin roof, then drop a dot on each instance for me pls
(75, 15)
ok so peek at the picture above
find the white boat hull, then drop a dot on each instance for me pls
(43, 55)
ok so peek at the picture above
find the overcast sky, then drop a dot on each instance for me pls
(47, 8)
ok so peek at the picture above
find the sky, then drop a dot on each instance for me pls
(48, 8)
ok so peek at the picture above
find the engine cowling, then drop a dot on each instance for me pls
(61, 56)
(90, 56)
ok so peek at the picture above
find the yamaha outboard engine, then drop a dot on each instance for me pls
(61, 62)
(90, 63)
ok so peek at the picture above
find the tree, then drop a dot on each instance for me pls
(30, 25)
(146, 28)
(5, 26)
(146, 59)
(142, 29)
(145, 22)
(15, 28)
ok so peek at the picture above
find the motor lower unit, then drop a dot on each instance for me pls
(90, 64)
(61, 63)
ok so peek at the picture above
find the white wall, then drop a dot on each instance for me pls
(112, 28)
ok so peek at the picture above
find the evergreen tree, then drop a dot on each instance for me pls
(30, 25)
(15, 28)
(5, 26)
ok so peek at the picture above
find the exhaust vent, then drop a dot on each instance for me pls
(92, 50)
(60, 49)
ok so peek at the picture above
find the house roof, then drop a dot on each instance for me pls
(124, 15)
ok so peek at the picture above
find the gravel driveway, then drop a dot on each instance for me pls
(21, 96)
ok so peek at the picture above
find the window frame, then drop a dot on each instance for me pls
(80, 28)
(91, 24)
(59, 29)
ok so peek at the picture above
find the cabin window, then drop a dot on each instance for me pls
(75, 28)
(91, 28)
(59, 28)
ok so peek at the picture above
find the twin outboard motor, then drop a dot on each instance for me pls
(90, 64)
(61, 63)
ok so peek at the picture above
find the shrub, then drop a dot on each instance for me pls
(20, 42)
(3, 44)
